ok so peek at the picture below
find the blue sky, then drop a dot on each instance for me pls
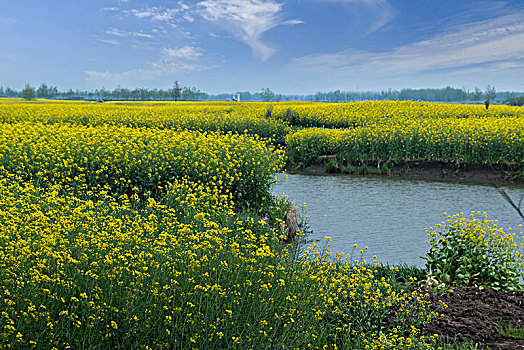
(293, 46)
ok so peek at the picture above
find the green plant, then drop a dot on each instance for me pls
(511, 331)
(332, 166)
(449, 343)
(475, 251)
(28, 93)
(469, 346)
(385, 169)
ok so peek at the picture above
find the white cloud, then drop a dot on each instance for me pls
(188, 18)
(134, 77)
(155, 13)
(293, 22)
(381, 12)
(111, 42)
(170, 63)
(246, 19)
(494, 43)
(171, 15)
(121, 33)
(185, 52)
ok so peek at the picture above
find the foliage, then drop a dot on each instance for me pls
(177, 91)
(491, 93)
(515, 101)
(140, 160)
(45, 91)
(475, 140)
(510, 330)
(131, 273)
(267, 95)
(244, 118)
(119, 235)
(28, 93)
(475, 251)
(173, 240)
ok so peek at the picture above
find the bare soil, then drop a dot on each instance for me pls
(475, 315)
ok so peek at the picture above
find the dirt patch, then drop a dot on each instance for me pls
(421, 170)
(474, 315)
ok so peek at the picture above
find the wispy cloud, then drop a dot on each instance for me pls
(293, 22)
(496, 43)
(172, 61)
(166, 15)
(186, 52)
(155, 13)
(105, 41)
(381, 12)
(122, 33)
(246, 19)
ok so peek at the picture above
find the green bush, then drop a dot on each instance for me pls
(475, 251)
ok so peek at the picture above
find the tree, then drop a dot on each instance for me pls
(176, 91)
(515, 101)
(28, 92)
(189, 94)
(491, 93)
(337, 96)
(43, 91)
(10, 92)
(477, 94)
(267, 94)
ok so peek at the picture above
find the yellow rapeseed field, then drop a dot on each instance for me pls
(152, 226)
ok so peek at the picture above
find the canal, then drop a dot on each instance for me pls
(389, 215)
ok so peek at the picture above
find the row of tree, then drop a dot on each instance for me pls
(176, 93)
(185, 93)
(447, 94)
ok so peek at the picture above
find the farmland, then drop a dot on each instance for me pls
(151, 225)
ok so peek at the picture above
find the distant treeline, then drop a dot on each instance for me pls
(137, 94)
(185, 93)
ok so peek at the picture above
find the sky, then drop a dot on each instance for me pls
(291, 46)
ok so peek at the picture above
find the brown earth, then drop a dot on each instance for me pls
(475, 315)
(423, 170)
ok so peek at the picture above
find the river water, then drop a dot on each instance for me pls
(389, 214)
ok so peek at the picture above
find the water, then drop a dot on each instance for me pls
(387, 214)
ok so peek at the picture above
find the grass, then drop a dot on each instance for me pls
(511, 331)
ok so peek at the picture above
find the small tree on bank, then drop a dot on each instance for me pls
(28, 93)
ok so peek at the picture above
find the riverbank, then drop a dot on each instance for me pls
(417, 169)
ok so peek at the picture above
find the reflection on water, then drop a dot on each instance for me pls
(389, 215)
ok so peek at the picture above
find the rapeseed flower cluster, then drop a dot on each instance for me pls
(476, 251)
(127, 236)
(132, 273)
(481, 141)
(368, 113)
(139, 159)
(242, 118)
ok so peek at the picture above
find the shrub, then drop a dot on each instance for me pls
(475, 251)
